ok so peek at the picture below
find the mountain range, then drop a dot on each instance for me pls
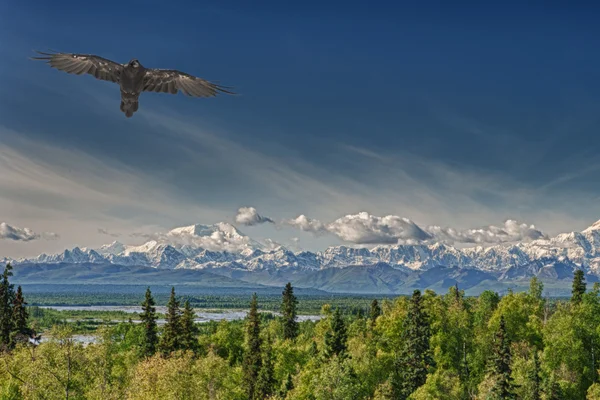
(221, 250)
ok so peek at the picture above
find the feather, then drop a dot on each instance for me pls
(99, 67)
(172, 81)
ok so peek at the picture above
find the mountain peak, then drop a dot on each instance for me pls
(206, 230)
(593, 227)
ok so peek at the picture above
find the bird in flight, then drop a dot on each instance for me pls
(133, 78)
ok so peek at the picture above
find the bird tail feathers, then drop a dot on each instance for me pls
(129, 106)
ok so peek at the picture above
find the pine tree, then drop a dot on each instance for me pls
(500, 364)
(578, 287)
(335, 338)
(553, 391)
(313, 351)
(252, 357)
(287, 386)
(288, 310)
(265, 384)
(171, 337)
(415, 358)
(534, 378)
(148, 317)
(188, 328)
(7, 294)
(374, 312)
(21, 332)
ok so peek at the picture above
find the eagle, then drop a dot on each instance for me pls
(133, 78)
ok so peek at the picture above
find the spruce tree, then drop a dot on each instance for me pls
(415, 357)
(534, 378)
(335, 338)
(171, 337)
(578, 287)
(287, 386)
(20, 315)
(252, 357)
(265, 384)
(148, 317)
(188, 328)
(7, 294)
(288, 310)
(374, 312)
(500, 364)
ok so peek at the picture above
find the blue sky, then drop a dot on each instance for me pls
(458, 116)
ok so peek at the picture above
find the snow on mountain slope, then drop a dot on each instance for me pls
(217, 237)
(222, 245)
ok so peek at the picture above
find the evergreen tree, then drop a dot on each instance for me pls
(415, 358)
(287, 386)
(288, 310)
(7, 295)
(188, 328)
(374, 311)
(171, 337)
(534, 378)
(578, 287)
(148, 317)
(313, 351)
(20, 315)
(252, 357)
(265, 384)
(536, 288)
(500, 364)
(335, 339)
(553, 391)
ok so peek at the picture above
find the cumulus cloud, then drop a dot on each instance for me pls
(306, 224)
(103, 231)
(249, 216)
(511, 231)
(365, 229)
(10, 232)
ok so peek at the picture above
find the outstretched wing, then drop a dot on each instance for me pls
(99, 67)
(171, 81)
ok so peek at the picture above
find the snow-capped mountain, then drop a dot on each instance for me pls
(223, 246)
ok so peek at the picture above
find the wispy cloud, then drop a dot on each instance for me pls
(107, 233)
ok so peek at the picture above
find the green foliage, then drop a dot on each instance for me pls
(189, 331)
(252, 357)
(288, 311)
(7, 294)
(420, 348)
(414, 361)
(335, 339)
(442, 385)
(265, 383)
(148, 317)
(170, 340)
(579, 287)
(500, 365)
(374, 311)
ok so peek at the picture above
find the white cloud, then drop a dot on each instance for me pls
(512, 231)
(249, 216)
(10, 232)
(364, 229)
(306, 224)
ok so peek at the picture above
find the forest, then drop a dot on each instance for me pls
(424, 346)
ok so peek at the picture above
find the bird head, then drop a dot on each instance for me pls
(134, 63)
